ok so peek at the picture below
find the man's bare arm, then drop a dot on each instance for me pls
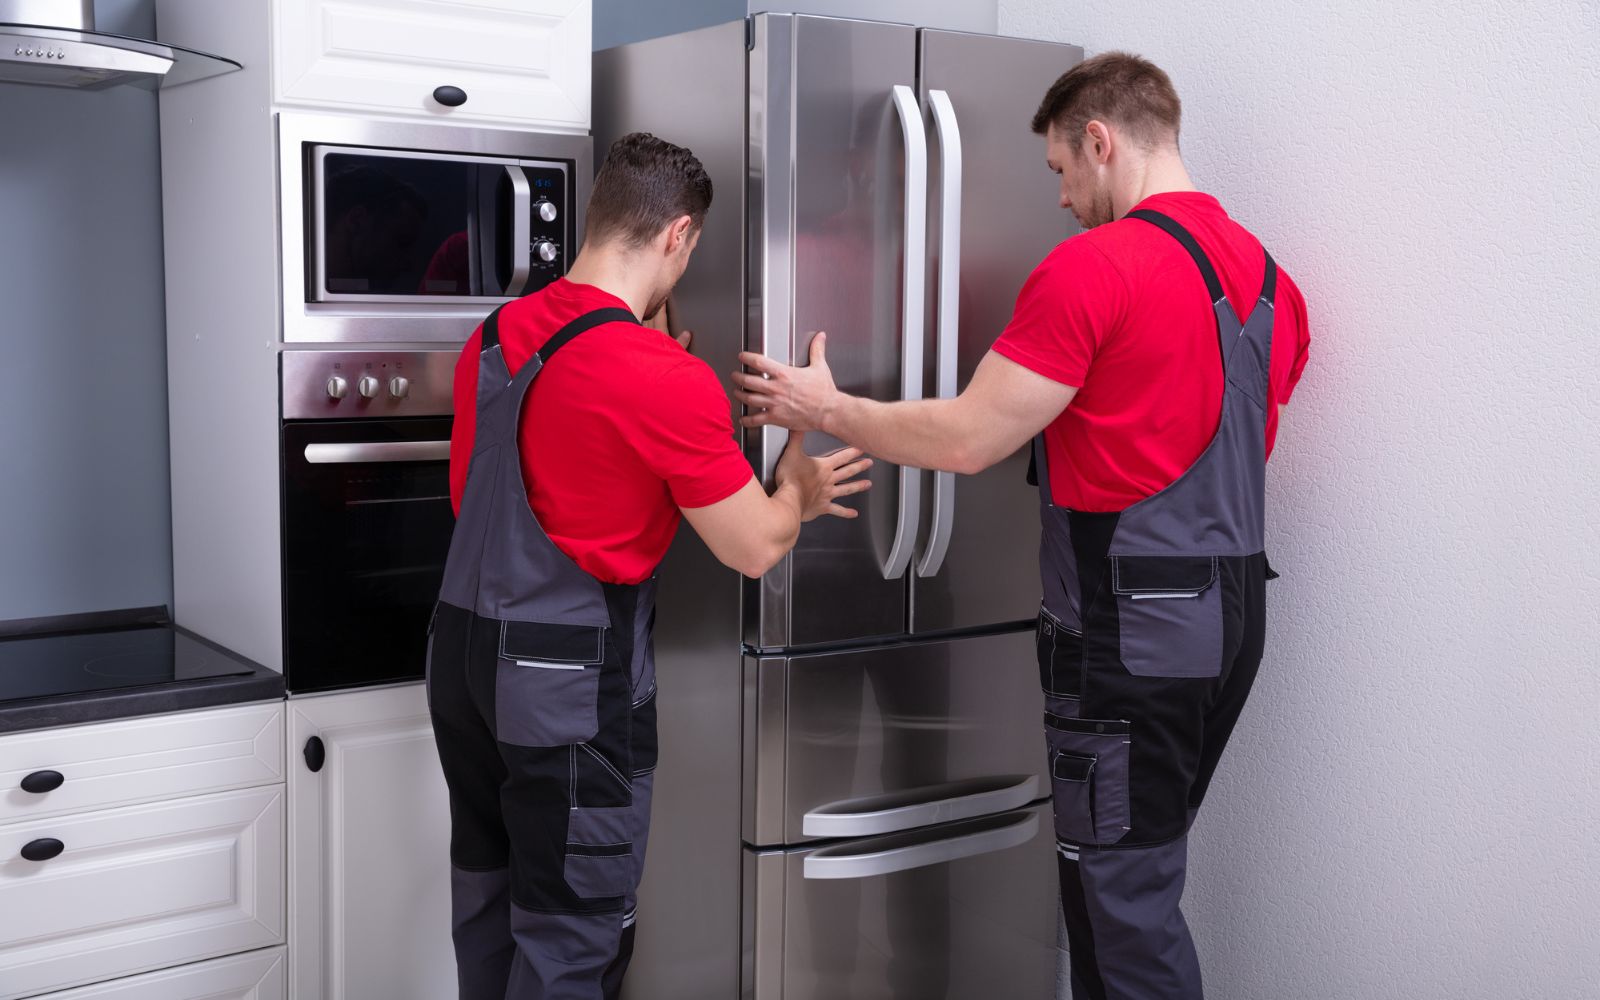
(1004, 406)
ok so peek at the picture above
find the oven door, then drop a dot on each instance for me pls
(367, 523)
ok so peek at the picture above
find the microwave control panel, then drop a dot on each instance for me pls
(551, 215)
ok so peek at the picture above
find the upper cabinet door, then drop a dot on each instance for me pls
(828, 175)
(519, 62)
(977, 559)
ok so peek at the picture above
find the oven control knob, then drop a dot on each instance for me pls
(546, 250)
(337, 387)
(368, 386)
(399, 387)
(547, 211)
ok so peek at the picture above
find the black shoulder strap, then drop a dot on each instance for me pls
(1177, 232)
(1269, 282)
(583, 324)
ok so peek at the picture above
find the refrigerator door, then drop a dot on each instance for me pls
(830, 167)
(965, 911)
(876, 741)
(976, 564)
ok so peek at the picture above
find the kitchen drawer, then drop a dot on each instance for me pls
(140, 888)
(521, 62)
(141, 760)
(258, 975)
(965, 911)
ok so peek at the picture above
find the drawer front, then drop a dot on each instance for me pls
(140, 888)
(518, 61)
(141, 760)
(258, 975)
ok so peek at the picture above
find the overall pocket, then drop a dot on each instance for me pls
(1089, 778)
(1169, 615)
(1060, 652)
(547, 683)
(599, 859)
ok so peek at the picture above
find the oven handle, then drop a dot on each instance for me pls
(347, 453)
(521, 231)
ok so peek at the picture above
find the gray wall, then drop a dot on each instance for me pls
(84, 511)
(1409, 807)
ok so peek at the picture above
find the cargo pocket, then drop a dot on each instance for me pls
(1089, 778)
(1060, 652)
(547, 683)
(1169, 615)
(599, 862)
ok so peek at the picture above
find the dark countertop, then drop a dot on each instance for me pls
(260, 684)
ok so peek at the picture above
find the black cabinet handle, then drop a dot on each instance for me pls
(42, 849)
(315, 753)
(40, 782)
(450, 97)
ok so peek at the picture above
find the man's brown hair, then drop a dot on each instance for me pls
(1117, 88)
(644, 184)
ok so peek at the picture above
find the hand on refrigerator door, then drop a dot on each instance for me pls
(822, 480)
(800, 399)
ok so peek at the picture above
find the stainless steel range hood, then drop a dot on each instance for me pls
(53, 43)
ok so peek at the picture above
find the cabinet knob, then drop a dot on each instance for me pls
(450, 97)
(315, 753)
(42, 849)
(40, 782)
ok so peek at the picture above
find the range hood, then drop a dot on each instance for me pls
(53, 43)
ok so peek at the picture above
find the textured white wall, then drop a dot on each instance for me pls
(1410, 807)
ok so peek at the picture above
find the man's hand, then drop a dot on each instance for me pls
(819, 483)
(800, 399)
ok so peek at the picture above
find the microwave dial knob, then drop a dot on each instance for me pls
(368, 386)
(547, 211)
(546, 250)
(399, 387)
(337, 387)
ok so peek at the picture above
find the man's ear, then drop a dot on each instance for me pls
(678, 233)
(1097, 141)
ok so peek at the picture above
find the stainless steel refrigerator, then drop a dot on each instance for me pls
(851, 796)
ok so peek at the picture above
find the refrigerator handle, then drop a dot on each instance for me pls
(840, 863)
(521, 230)
(971, 800)
(949, 306)
(911, 326)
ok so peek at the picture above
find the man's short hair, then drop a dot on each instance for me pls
(1117, 88)
(644, 184)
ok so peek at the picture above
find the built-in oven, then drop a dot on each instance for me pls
(406, 233)
(366, 512)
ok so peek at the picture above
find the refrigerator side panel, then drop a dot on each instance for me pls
(689, 89)
(833, 258)
(1010, 219)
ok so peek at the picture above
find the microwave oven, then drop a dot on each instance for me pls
(411, 233)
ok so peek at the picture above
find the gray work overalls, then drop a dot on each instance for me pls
(541, 684)
(1149, 641)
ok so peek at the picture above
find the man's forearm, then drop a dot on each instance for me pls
(924, 434)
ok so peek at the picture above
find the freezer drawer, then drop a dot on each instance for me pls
(965, 911)
(874, 741)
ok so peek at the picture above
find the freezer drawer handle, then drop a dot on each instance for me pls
(980, 798)
(825, 864)
(329, 453)
(911, 330)
(949, 317)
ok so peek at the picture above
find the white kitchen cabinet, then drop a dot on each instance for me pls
(369, 863)
(521, 63)
(140, 888)
(256, 975)
(141, 760)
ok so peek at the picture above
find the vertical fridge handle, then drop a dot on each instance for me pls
(521, 231)
(949, 315)
(911, 324)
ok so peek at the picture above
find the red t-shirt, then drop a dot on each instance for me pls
(1122, 312)
(621, 430)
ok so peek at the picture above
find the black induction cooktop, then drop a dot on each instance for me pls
(56, 663)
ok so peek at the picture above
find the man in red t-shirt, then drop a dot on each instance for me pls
(580, 438)
(1149, 359)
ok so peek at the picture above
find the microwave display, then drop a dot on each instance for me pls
(394, 225)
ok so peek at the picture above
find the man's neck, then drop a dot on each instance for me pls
(613, 270)
(1160, 173)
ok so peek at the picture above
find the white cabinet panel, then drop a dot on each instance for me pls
(369, 856)
(141, 760)
(140, 888)
(258, 975)
(521, 62)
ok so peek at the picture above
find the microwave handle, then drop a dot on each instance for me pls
(521, 231)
